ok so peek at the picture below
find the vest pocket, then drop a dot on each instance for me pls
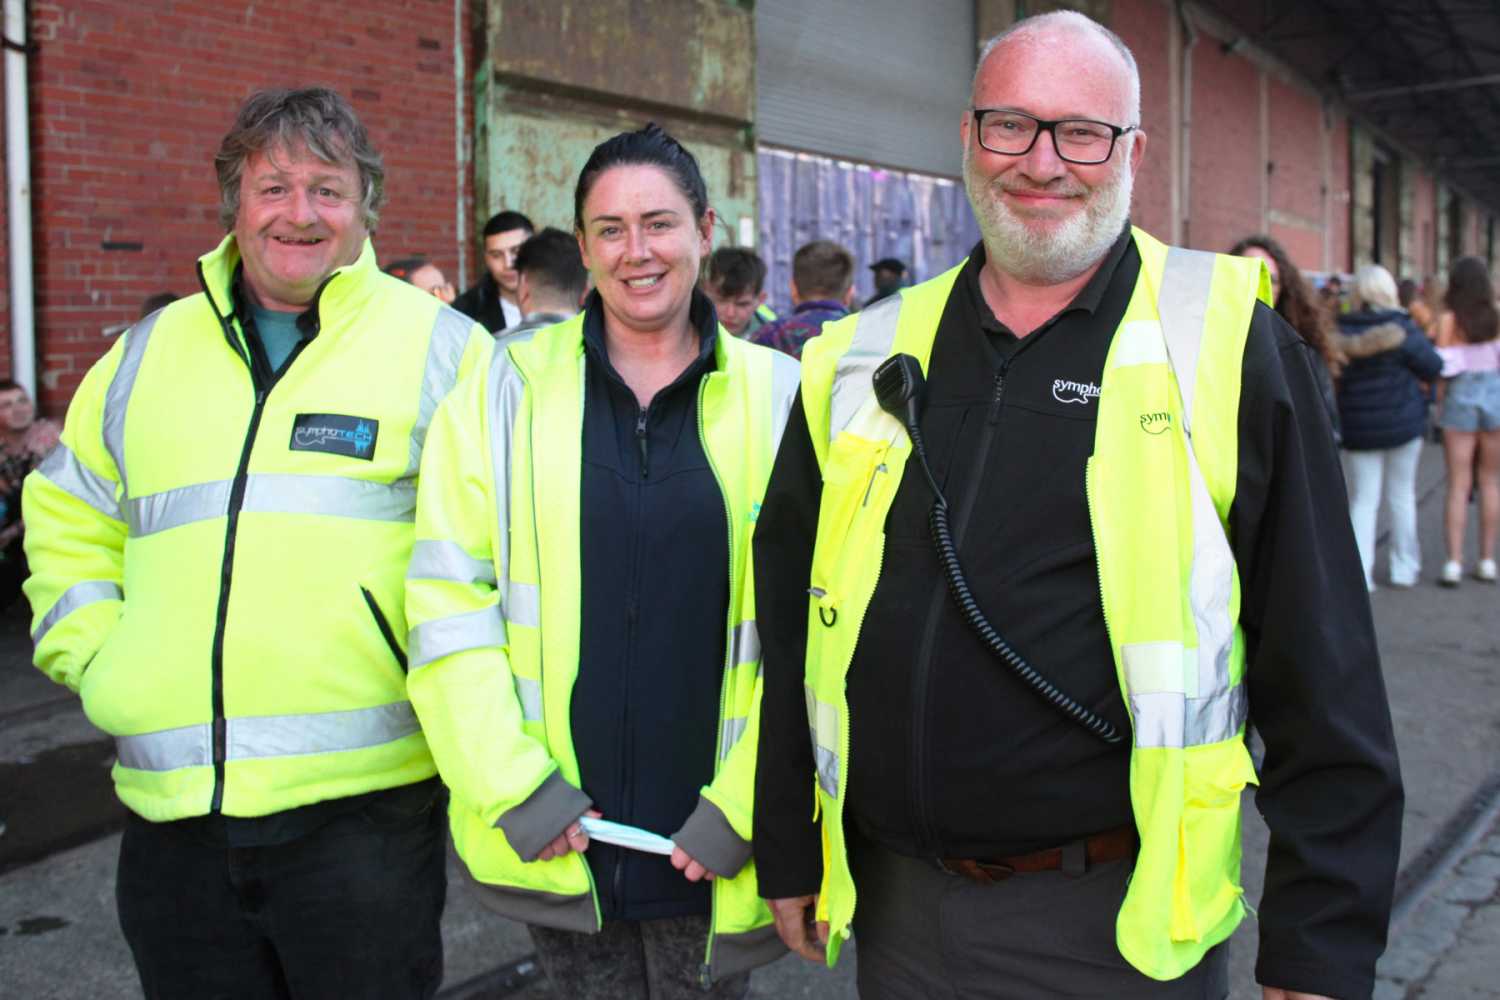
(1207, 886)
(385, 628)
(856, 479)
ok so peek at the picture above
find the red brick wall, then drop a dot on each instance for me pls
(1424, 223)
(129, 101)
(1144, 26)
(1342, 196)
(1225, 160)
(4, 254)
(1296, 175)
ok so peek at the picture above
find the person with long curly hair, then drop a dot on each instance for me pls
(1291, 297)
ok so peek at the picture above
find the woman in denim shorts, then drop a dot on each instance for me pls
(1470, 418)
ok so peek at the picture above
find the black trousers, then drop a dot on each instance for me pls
(922, 934)
(350, 909)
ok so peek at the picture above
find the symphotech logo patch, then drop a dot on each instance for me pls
(1068, 391)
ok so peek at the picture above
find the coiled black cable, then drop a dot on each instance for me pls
(892, 400)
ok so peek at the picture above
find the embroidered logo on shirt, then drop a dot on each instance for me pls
(1156, 423)
(1068, 391)
(335, 434)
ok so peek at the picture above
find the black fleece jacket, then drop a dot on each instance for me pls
(952, 756)
(655, 549)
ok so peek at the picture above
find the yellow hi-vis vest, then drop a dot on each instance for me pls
(493, 597)
(218, 575)
(1160, 483)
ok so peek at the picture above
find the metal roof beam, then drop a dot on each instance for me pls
(1488, 80)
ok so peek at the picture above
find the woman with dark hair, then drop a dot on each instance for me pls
(24, 442)
(1295, 303)
(581, 606)
(1470, 415)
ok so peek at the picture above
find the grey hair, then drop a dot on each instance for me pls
(1070, 20)
(314, 118)
(1374, 286)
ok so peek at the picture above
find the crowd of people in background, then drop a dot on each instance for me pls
(1399, 361)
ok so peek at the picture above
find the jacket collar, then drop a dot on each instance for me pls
(344, 291)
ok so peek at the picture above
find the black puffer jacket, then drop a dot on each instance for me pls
(1381, 403)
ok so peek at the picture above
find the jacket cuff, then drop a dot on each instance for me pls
(712, 842)
(1322, 979)
(536, 822)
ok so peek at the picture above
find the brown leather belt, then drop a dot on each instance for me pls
(1102, 848)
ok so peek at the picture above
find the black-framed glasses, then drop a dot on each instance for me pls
(1077, 140)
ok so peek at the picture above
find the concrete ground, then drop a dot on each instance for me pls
(59, 938)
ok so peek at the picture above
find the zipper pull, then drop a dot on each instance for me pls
(640, 440)
(705, 978)
(994, 417)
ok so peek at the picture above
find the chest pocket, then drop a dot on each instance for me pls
(859, 483)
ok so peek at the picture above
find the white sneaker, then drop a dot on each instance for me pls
(1485, 570)
(1452, 573)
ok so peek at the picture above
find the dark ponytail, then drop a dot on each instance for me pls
(649, 147)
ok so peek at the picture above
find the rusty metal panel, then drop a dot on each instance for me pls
(559, 78)
(674, 53)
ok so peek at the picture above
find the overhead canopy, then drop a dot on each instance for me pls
(1426, 73)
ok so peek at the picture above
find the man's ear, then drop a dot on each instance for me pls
(796, 295)
(848, 298)
(762, 300)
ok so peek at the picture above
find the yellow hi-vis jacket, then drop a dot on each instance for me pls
(218, 571)
(493, 597)
(1160, 483)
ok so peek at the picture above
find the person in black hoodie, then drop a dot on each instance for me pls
(492, 299)
(1383, 413)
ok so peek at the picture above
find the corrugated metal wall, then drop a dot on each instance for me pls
(884, 81)
(923, 220)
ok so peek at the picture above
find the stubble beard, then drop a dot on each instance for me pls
(1053, 254)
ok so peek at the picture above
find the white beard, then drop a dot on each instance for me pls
(1049, 256)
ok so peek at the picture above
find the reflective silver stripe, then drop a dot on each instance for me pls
(523, 604)
(117, 397)
(75, 597)
(874, 336)
(1152, 667)
(445, 636)
(1182, 303)
(253, 737)
(173, 508)
(1198, 705)
(447, 561)
(823, 725)
(1164, 719)
(529, 694)
(734, 728)
(786, 378)
(745, 646)
(166, 750)
(336, 496)
(64, 470)
(445, 351)
(279, 493)
(505, 389)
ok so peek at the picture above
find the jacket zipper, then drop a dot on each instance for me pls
(705, 973)
(633, 611)
(640, 441)
(226, 568)
(921, 676)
